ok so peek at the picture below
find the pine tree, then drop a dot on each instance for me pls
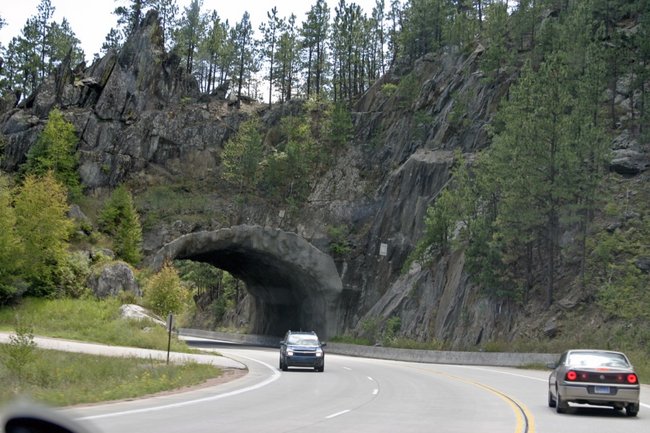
(315, 33)
(119, 218)
(242, 156)
(270, 34)
(287, 60)
(55, 151)
(244, 46)
(190, 33)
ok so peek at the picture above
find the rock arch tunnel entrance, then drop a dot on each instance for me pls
(294, 285)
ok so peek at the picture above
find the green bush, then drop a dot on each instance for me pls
(165, 293)
(19, 353)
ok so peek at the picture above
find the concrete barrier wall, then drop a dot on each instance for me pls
(501, 359)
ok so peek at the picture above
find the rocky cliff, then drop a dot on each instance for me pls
(141, 119)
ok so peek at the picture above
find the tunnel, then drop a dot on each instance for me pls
(294, 285)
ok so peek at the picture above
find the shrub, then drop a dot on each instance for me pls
(164, 293)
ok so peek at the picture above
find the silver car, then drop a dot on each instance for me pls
(594, 377)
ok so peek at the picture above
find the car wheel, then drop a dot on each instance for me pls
(632, 409)
(320, 369)
(560, 405)
(551, 400)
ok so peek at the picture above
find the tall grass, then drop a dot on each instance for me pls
(63, 379)
(87, 320)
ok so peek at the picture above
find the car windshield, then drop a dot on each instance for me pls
(303, 340)
(598, 359)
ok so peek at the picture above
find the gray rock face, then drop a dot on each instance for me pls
(114, 279)
(294, 285)
(133, 111)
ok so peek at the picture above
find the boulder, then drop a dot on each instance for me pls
(113, 279)
(136, 312)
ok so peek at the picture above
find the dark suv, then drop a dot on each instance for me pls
(302, 349)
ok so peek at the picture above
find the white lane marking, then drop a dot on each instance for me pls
(371, 379)
(275, 376)
(645, 405)
(375, 391)
(347, 368)
(334, 415)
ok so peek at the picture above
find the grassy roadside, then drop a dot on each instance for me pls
(63, 379)
(89, 320)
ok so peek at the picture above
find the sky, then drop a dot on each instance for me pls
(91, 20)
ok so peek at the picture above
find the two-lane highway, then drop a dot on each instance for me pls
(359, 395)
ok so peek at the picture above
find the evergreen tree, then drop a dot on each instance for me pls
(287, 60)
(242, 156)
(270, 34)
(119, 218)
(129, 16)
(43, 228)
(190, 33)
(55, 151)
(244, 46)
(315, 32)
(211, 53)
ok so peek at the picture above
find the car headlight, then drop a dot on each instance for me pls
(319, 353)
(289, 352)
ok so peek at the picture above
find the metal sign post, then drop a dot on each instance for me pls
(170, 323)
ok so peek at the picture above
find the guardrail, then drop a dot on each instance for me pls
(501, 359)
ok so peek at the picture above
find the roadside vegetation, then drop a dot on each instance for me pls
(63, 379)
(90, 320)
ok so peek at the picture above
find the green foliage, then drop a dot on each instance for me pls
(87, 319)
(55, 150)
(391, 329)
(407, 90)
(73, 274)
(450, 207)
(44, 229)
(497, 54)
(10, 245)
(389, 89)
(120, 220)
(242, 156)
(288, 171)
(164, 293)
(19, 353)
(340, 127)
(339, 244)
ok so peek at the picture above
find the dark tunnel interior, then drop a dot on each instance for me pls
(283, 293)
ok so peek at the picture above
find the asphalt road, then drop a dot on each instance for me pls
(360, 395)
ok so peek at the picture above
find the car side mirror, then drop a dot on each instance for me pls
(551, 365)
(323, 344)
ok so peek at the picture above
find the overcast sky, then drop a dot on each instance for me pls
(92, 19)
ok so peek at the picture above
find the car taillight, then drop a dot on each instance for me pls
(571, 375)
(632, 379)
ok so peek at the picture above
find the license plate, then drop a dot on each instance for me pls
(601, 390)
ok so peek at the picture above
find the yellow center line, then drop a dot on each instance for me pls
(525, 419)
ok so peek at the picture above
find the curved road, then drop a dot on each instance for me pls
(360, 395)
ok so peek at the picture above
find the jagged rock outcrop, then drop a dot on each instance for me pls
(134, 111)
